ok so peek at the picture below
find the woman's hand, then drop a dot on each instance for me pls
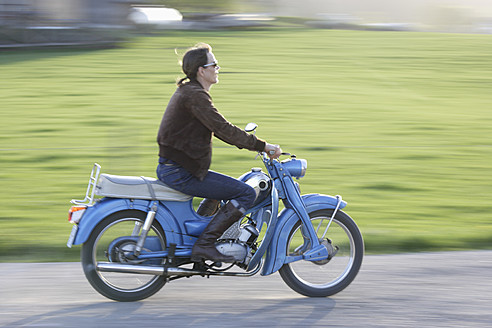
(273, 151)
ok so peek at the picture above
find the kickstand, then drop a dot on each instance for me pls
(170, 259)
(170, 253)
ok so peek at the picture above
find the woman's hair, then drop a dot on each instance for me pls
(193, 59)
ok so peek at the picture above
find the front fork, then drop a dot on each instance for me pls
(306, 234)
(312, 249)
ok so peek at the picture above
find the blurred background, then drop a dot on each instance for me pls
(71, 21)
(389, 101)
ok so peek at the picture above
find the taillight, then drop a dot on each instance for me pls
(75, 213)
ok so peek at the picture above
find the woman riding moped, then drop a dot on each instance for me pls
(185, 150)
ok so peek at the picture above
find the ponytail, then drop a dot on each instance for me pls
(181, 82)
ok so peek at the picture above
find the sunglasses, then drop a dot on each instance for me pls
(214, 64)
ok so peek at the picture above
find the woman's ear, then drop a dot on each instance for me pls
(200, 71)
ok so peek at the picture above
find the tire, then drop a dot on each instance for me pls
(121, 287)
(325, 278)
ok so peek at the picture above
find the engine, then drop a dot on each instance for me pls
(240, 248)
(239, 242)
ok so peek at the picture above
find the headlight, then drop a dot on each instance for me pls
(296, 167)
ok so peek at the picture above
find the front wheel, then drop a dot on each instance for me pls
(113, 240)
(327, 277)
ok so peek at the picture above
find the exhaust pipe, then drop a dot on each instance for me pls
(172, 271)
(145, 269)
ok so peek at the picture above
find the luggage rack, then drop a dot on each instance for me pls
(91, 188)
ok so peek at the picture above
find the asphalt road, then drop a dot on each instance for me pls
(451, 289)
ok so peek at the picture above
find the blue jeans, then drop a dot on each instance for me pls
(214, 185)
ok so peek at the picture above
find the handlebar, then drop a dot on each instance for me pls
(272, 152)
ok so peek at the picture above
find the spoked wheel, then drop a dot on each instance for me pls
(327, 277)
(113, 240)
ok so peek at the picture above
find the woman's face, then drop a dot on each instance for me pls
(211, 70)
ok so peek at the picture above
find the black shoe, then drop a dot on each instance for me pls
(211, 253)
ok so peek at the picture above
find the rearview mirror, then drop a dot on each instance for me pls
(250, 127)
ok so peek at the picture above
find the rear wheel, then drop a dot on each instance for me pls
(113, 240)
(330, 276)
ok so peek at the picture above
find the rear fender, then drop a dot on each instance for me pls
(107, 206)
(277, 249)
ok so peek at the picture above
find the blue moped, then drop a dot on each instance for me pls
(138, 234)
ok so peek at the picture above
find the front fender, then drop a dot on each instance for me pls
(108, 206)
(277, 249)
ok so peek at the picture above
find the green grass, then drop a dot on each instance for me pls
(397, 123)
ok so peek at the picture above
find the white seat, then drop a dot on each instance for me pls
(118, 186)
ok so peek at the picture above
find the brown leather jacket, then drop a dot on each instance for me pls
(187, 127)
